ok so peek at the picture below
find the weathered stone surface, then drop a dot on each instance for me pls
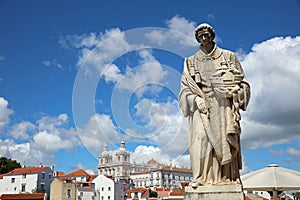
(213, 91)
(220, 192)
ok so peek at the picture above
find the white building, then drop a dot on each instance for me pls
(151, 174)
(162, 177)
(109, 188)
(119, 166)
(27, 180)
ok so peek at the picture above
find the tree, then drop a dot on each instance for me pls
(6, 165)
(152, 193)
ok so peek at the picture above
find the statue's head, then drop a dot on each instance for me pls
(204, 29)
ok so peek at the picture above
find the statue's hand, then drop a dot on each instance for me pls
(201, 105)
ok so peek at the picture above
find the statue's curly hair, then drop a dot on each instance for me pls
(204, 28)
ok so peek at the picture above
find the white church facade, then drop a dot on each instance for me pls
(151, 174)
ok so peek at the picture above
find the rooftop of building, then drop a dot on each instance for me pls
(163, 168)
(24, 196)
(26, 170)
(144, 192)
(78, 173)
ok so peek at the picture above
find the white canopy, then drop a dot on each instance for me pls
(272, 178)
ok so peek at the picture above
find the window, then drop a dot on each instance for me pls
(102, 189)
(81, 194)
(102, 197)
(23, 176)
(43, 175)
(13, 180)
(23, 188)
(69, 193)
(43, 187)
(50, 176)
(108, 188)
(108, 197)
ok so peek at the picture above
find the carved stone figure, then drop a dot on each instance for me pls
(213, 90)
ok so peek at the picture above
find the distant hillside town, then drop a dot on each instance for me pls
(117, 179)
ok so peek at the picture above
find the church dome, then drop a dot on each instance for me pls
(105, 151)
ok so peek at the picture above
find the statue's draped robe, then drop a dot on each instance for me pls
(214, 137)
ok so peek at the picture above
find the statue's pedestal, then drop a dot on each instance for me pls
(214, 192)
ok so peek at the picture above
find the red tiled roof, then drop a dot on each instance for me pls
(176, 169)
(62, 179)
(34, 196)
(145, 191)
(60, 173)
(27, 170)
(152, 161)
(163, 193)
(79, 172)
(176, 193)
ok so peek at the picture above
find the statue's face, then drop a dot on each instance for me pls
(204, 38)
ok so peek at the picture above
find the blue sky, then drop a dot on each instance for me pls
(77, 74)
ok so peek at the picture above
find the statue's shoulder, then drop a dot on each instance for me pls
(190, 59)
(227, 52)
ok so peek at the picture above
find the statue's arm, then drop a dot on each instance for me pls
(189, 100)
(244, 86)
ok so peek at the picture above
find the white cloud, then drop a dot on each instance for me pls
(112, 73)
(273, 70)
(99, 130)
(87, 169)
(183, 35)
(53, 62)
(21, 130)
(291, 151)
(50, 142)
(25, 153)
(99, 50)
(5, 112)
(36, 143)
(136, 79)
(182, 161)
(182, 25)
(144, 153)
(50, 123)
(167, 125)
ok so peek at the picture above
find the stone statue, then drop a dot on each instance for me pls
(213, 90)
